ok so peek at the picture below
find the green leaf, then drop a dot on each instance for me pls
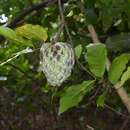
(70, 14)
(78, 50)
(107, 18)
(117, 67)
(30, 31)
(91, 16)
(12, 35)
(110, 11)
(125, 76)
(101, 99)
(90, 3)
(96, 58)
(74, 94)
(7, 32)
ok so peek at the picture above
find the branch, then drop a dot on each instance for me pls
(63, 22)
(117, 112)
(119, 89)
(29, 10)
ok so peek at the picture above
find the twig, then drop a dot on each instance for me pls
(57, 36)
(20, 70)
(120, 90)
(95, 39)
(28, 10)
(64, 22)
(68, 33)
(119, 113)
(94, 95)
(27, 50)
(89, 127)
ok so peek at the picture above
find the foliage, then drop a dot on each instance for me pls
(117, 67)
(101, 99)
(111, 19)
(119, 42)
(125, 76)
(74, 94)
(96, 58)
(32, 32)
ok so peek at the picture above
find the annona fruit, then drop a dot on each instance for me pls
(57, 61)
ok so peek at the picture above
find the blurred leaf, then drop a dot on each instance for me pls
(117, 67)
(107, 18)
(125, 76)
(89, 3)
(101, 99)
(74, 94)
(30, 31)
(12, 35)
(78, 50)
(7, 32)
(91, 17)
(70, 14)
(96, 58)
(118, 42)
(45, 88)
(109, 11)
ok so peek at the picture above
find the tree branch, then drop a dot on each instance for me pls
(119, 89)
(29, 10)
(63, 22)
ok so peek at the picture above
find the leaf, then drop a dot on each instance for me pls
(74, 94)
(96, 58)
(78, 50)
(90, 3)
(70, 14)
(12, 35)
(107, 17)
(109, 11)
(118, 42)
(101, 99)
(7, 32)
(91, 16)
(125, 76)
(30, 31)
(117, 67)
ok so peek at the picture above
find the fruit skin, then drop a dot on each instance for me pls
(57, 61)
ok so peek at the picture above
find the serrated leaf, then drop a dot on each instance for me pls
(74, 94)
(125, 76)
(96, 58)
(30, 31)
(117, 67)
(12, 35)
(101, 99)
(78, 50)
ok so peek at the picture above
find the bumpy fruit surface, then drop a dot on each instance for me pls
(57, 61)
